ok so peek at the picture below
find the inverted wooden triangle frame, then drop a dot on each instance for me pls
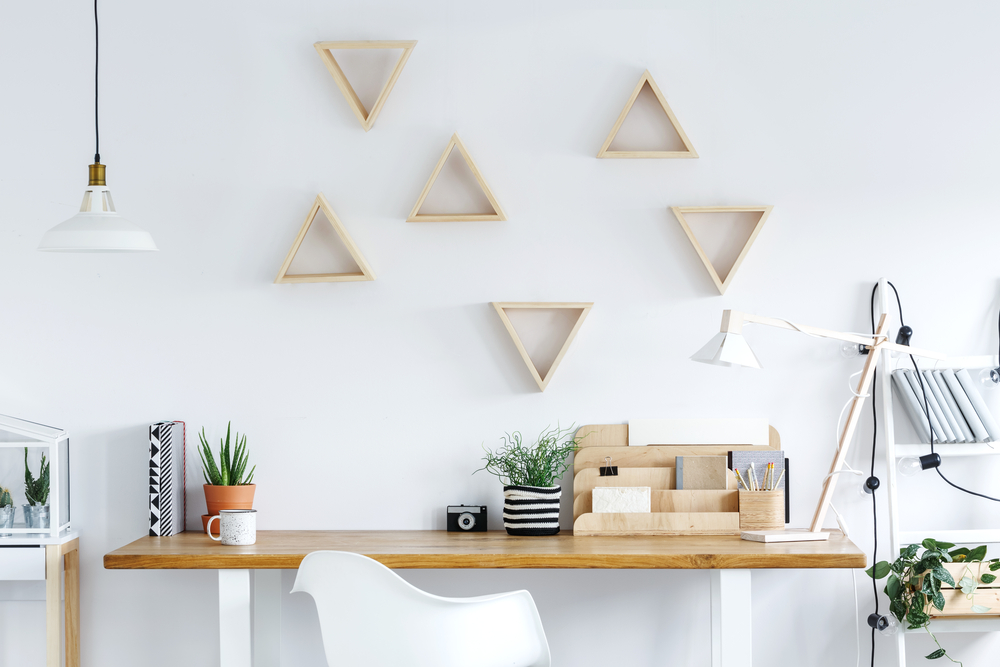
(679, 212)
(539, 380)
(366, 272)
(688, 153)
(417, 216)
(366, 117)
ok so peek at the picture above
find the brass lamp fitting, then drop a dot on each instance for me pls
(97, 174)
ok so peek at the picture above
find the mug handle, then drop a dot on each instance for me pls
(209, 527)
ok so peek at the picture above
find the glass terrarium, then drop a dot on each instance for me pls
(34, 479)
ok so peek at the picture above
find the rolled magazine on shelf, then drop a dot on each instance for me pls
(957, 411)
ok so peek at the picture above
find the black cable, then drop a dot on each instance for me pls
(930, 426)
(871, 312)
(927, 410)
(97, 125)
(941, 474)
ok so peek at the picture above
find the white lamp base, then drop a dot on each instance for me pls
(793, 535)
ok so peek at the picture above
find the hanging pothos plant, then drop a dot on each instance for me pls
(915, 579)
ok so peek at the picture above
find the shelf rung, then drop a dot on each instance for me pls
(946, 450)
(984, 623)
(984, 536)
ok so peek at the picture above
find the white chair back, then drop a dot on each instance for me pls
(371, 617)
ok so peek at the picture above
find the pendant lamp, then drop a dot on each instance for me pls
(97, 227)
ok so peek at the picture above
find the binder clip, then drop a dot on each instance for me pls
(609, 470)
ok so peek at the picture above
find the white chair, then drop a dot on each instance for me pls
(371, 617)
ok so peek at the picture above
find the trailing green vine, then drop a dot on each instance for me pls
(915, 580)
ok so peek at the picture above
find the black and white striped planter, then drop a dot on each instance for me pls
(531, 510)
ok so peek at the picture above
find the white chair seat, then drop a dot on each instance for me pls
(369, 616)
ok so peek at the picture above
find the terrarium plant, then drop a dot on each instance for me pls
(916, 577)
(228, 484)
(6, 509)
(36, 491)
(530, 475)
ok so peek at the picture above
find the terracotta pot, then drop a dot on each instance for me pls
(229, 497)
(204, 525)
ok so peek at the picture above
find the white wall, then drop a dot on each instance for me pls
(870, 126)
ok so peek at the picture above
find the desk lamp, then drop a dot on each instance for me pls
(730, 348)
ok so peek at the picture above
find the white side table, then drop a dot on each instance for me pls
(33, 558)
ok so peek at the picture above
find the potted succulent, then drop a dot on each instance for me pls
(228, 485)
(6, 509)
(530, 475)
(36, 491)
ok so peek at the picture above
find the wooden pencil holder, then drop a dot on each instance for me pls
(762, 510)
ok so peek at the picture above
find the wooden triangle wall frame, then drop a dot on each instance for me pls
(689, 151)
(539, 380)
(679, 212)
(366, 272)
(366, 117)
(417, 216)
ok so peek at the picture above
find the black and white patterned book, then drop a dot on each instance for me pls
(166, 478)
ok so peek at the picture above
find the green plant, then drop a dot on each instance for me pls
(5, 499)
(36, 490)
(541, 464)
(231, 467)
(915, 578)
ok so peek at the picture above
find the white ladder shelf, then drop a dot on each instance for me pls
(893, 452)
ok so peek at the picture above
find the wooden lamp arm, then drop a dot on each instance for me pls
(733, 321)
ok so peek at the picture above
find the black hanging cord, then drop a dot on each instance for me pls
(927, 411)
(871, 312)
(97, 125)
(930, 426)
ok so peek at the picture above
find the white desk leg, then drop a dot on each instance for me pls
(731, 622)
(234, 618)
(267, 618)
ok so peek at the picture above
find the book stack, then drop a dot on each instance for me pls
(166, 478)
(958, 413)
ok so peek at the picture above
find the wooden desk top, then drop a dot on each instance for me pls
(281, 549)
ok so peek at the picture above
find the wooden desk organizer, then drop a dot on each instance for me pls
(674, 512)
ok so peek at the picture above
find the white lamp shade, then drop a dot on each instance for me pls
(97, 228)
(727, 349)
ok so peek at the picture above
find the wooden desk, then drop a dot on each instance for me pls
(729, 558)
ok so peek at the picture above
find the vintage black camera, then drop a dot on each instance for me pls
(467, 518)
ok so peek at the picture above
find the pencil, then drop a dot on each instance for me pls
(739, 478)
(779, 479)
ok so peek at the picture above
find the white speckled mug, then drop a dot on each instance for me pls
(236, 527)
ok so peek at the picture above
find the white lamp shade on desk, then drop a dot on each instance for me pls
(97, 228)
(727, 349)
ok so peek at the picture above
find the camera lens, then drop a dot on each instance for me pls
(466, 521)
